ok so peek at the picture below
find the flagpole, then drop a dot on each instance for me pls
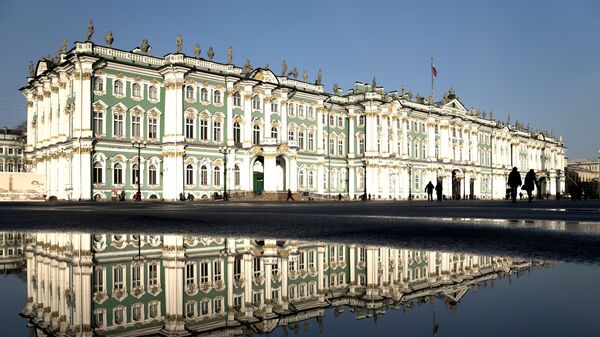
(432, 85)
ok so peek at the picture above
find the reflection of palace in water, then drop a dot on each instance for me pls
(132, 285)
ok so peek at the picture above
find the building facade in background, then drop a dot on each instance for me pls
(582, 177)
(87, 106)
(12, 143)
(174, 285)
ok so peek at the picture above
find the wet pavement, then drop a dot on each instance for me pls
(553, 230)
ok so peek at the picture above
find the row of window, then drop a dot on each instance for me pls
(215, 95)
(118, 126)
(11, 151)
(119, 314)
(150, 275)
(118, 89)
(8, 252)
(205, 307)
(11, 166)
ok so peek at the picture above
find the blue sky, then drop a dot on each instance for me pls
(535, 60)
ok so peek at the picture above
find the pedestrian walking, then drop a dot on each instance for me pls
(289, 195)
(438, 190)
(514, 181)
(529, 184)
(429, 189)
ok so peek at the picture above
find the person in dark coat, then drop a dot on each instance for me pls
(438, 190)
(429, 189)
(289, 195)
(514, 181)
(529, 184)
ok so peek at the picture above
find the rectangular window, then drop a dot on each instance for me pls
(153, 274)
(256, 267)
(99, 278)
(98, 122)
(311, 141)
(301, 263)
(135, 126)
(217, 271)
(99, 318)
(301, 140)
(331, 146)
(237, 302)
(118, 278)
(311, 259)
(274, 106)
(203, 129)
(237, 268)
(218, 308)
(340, 147)
(136, 276)
(217, 131)
(152, 128)
(189, 128)
(118, 125)
(190, 274)
(257, 299)
(204, 270)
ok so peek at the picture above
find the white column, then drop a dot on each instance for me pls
(351, 134)
(247, 134)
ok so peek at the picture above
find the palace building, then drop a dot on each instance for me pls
(175, 285)
(197, 121)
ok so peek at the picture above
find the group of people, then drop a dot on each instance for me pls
(514, 181)
(438, 190)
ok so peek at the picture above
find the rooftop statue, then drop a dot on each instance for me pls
(295, 73)
(197, 50)
(247, 67)
(304, 75)
(63, 47)
(229, 55)
(492, 115)
(402, 90)
(267, 66)
(179, 43)
(90, 32)
(283, 68)
(108, 38)
(335, 88)
(508, 121)
(31, 69)
(210, 53)
(145, 47)
(373, 84)
(319, 77)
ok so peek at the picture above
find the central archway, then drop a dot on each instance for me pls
(456, 181)
(258, 177)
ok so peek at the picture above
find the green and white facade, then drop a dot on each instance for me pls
(11, 150)
(85, 109)
(174, 285)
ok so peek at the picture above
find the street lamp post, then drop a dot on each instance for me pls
(225, 151)
(409, 182)
(138, 144)
(364, 179)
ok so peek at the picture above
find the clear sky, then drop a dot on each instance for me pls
(535, 60)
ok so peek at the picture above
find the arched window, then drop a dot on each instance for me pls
(217, 176)
(203, 175)
(236, 176)
(189, 92)
(204, 95)
(237, 130)
(301, 179)
(136, 90)
(255, 102)
(217, 97)
(11, 166)
(311, 179)
(290, 109)
(256, 134)
(152, 175)
(98, 173)
(189, 175)
(237, 99)
(300, 111)
(153, 92)
(311, 114)
(118, 88)
(274, 132)
(98, 84)
(274, 106)
(135, 174)
(118, 174)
